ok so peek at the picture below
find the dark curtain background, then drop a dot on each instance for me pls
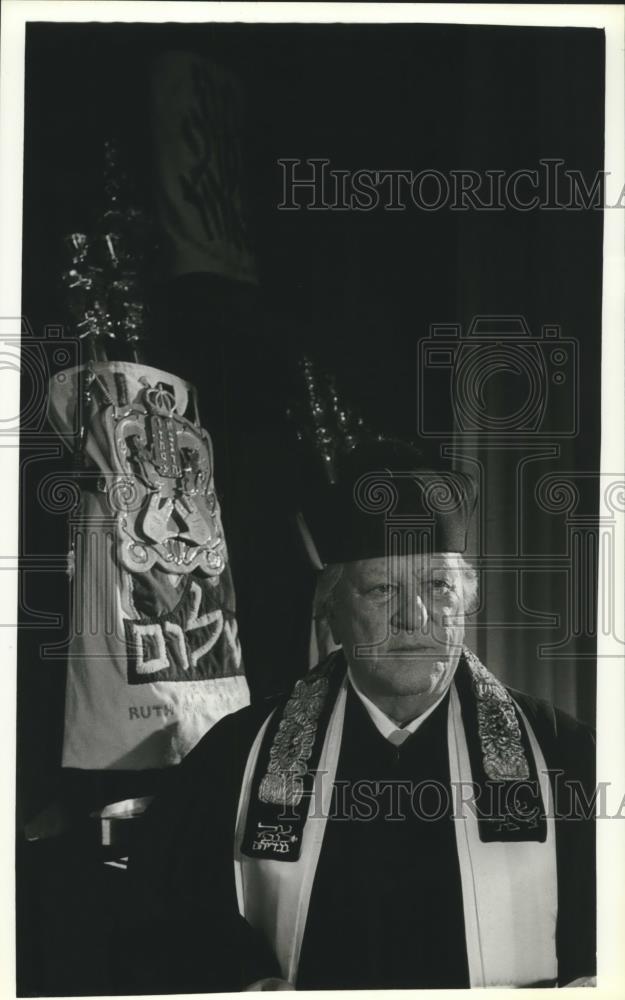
(545, 265)
(357, 290)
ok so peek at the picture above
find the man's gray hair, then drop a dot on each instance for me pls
(330, 576)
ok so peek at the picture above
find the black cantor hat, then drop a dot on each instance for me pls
(385, 499)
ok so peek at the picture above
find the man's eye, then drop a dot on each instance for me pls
(442, 586)
(381, 590)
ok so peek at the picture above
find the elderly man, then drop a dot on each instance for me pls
(400, 819)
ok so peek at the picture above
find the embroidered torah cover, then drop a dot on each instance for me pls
(154, 658)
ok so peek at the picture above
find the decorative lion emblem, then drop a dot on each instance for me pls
(163, 489)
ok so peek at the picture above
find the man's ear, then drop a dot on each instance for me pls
(331, 620)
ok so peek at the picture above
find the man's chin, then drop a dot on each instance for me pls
(405, 675)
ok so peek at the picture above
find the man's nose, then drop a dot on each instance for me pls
(411, 614)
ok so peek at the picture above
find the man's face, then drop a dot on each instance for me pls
(400, 621)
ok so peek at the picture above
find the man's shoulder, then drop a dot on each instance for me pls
(560, 721)
(233, 732)
(569, 740)
(240, 728)
(210, 774)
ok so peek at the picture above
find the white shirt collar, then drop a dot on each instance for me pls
(383, 724)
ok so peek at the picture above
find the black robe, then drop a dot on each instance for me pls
(386, 904)
(394, 918)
